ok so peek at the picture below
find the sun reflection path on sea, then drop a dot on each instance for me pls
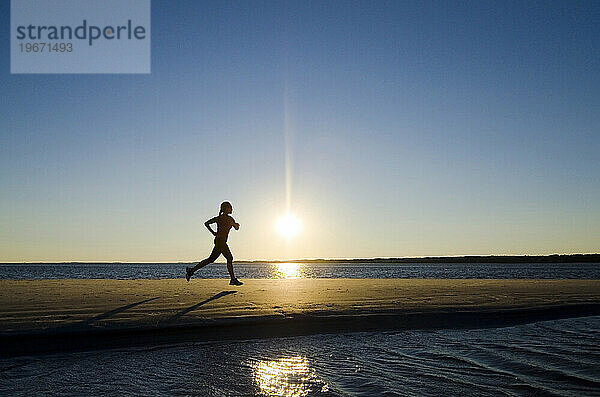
(288, 270)
(288, 376)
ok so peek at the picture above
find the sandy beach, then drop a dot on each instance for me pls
(47, 315)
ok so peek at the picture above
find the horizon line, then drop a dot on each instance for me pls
(403, 259)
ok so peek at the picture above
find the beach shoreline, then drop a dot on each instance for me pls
(45, 316)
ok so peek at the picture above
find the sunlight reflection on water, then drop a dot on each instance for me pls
(288, 376)
(288, 270)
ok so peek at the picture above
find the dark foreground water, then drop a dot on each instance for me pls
(559, 358)
(304, 270)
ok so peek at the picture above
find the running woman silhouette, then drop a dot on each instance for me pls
(224, 223)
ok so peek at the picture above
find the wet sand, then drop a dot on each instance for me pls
(54, 315)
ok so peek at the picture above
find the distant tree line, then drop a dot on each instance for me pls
(555, 258)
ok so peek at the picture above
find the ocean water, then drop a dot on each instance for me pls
(553, 358)
(304, 270)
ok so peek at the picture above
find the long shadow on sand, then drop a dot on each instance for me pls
(87, 324)
(197, 305)
(115, 311)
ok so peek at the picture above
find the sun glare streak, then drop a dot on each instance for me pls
(289, 376)
(287, 135)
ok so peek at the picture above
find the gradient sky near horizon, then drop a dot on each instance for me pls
(414, 129)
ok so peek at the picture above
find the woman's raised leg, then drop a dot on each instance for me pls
(213, 256)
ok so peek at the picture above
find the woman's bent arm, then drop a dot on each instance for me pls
(208, 223)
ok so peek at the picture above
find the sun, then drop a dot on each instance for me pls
(288, 225)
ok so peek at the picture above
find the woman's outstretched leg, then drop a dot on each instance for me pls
(189, 271)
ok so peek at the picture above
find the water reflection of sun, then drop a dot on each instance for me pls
(289, 376)
(288, 270)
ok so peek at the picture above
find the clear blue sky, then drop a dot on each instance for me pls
(425, 128)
